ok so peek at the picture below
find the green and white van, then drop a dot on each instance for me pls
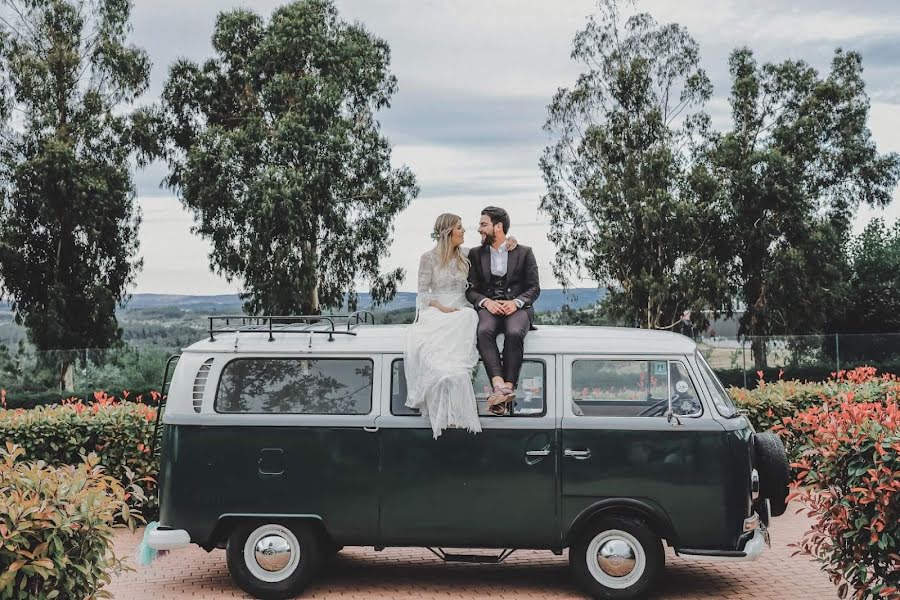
(286, 438)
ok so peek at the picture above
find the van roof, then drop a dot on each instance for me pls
(546, 339)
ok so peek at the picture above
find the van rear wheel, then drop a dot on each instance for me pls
(273, 560)
(617, 558)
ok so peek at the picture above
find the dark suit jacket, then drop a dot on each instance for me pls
(522, 280)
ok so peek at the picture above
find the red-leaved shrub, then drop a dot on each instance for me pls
(849, 481)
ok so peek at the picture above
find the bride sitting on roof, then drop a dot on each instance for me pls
(440, 352)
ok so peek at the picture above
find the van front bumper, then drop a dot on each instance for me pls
(168, 539)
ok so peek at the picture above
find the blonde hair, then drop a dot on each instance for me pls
(446, 252)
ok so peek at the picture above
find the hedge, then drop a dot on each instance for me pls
(56, 527)
(120, 433)
(30, 399)
(735, 377)
(773, 401)
(843, 438)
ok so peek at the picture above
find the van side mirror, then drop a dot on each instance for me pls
(671, 417)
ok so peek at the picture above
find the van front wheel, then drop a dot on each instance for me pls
(274, 560)
(617, 558)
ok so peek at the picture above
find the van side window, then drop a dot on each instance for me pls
(330, 386)
(530, 399)
(632, 388)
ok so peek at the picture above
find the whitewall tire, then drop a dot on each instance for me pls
(273, 560)
(617, 558)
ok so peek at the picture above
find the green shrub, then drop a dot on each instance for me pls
(120, 433)
(849, 462)
(821, 373)
(56, 527)
(770, 403)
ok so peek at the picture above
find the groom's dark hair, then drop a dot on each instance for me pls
(497, 215)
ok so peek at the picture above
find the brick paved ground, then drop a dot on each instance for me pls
(415, 573)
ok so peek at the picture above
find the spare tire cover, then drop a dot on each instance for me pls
(770, 460)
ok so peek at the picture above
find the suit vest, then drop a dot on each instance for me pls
(497, 287)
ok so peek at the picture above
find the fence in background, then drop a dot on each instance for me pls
(813, 357)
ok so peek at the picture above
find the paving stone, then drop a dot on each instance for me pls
(416, 573)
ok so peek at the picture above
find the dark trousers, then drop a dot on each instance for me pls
(513, 327)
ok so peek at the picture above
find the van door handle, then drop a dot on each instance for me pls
(577, 454)
(545, 451)
(370, 429)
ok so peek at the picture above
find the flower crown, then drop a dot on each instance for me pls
(437, 235)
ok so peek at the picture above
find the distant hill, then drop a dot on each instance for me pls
(549, 300)
(138, 301)
(172, 321)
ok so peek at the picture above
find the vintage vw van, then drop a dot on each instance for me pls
(285, 439)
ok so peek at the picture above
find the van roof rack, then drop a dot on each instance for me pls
(329, 325)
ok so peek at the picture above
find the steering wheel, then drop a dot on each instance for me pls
(688, 405)
(657, 409)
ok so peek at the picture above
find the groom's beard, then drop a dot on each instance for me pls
(487, 239)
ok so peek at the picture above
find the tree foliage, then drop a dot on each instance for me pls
(274, 146)
(873, 298)
(624, 207)
(794, 168)
(645, 198)
(68, 223)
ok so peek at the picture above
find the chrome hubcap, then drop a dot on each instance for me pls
(616, 557)
(273, 553)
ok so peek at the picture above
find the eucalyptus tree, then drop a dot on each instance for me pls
(274, 146)
(68, 224)
(625, 206)
(796, 164)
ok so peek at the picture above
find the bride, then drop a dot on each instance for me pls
(440, 353)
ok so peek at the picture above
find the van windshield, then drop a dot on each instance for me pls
(724, 403)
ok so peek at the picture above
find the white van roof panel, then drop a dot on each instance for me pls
(546, 339)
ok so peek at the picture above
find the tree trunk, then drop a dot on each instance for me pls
(754, 321)
(67, 382)
(311, 264)
(759, 351)
(314, 299)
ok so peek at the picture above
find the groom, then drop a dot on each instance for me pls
(503, 285)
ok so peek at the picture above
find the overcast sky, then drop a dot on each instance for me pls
(475, 77)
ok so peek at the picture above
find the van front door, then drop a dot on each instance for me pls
(497, 488)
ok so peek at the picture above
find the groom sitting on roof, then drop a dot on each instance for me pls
(503, 285)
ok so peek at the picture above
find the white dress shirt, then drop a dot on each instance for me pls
(499, 260)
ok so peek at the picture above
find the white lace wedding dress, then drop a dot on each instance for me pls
(440, 352)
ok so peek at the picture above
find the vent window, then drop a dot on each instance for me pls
(200, 384)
